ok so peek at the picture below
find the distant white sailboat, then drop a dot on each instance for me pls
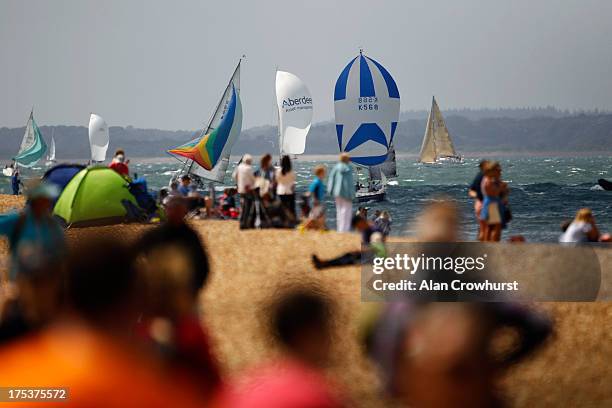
(31, 150)
(98, 138)
(51, 157)
(437, 145)
(294, 104)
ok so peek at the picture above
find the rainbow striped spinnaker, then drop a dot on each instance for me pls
(207, 156)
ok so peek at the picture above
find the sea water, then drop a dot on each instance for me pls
(544, 191)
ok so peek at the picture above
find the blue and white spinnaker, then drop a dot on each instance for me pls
(366, 104)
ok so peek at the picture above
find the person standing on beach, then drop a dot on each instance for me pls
(268, 175)
(341, 186)
(285, 186)
(15, 181)
(316, 190)
(494, 192)
(475, 192)
(245, 180)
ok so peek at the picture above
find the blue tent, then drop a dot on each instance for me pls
(61, 174)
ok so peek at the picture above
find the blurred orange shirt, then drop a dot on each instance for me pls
(97, 371)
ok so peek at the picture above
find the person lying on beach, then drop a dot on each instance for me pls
(371, 238)
(583, 229)
(301, 324)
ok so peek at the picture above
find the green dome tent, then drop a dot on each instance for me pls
(97, 196)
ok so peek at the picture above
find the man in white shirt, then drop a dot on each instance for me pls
(245, 180)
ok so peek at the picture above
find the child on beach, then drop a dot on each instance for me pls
(315, 219)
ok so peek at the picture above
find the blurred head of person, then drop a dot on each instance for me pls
(167, 275)
(101, 283)
(438, 222)
(320, 171)
(363, 211)
(41, 197)
(584, 215)
(483, 164)
(186, 180)
(266, 161)
(119, 152)
(176, 210)
(492, 169)
(435, 355)
(359, 223)
(301, 323)
(344, 157)
(285, 164)
(247, 159)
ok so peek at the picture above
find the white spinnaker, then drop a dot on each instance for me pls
(98, 138)
(294, 103)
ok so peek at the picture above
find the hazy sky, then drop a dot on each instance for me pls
(165, 63)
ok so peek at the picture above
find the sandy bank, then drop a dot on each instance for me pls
(249, 267)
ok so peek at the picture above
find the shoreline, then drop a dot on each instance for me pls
(400, 155)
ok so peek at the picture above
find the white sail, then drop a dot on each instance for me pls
(98, 138)
(437, 142)
(51, 157)
(294, 112)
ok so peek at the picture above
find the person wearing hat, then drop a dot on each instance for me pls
(340, 185)
(120, 164)
(35, 238)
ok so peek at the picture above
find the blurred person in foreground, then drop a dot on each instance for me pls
(37, 251)
(450, 354)
(301, 323)
(383, 223)
(120, 164)
(341, 186)
(89, 348)
(583, 229)
(173, 268)
(475, 192)
(372, 241)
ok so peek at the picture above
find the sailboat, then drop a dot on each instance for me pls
(294, 104)
(366, 105)
(51, 157)
(207, 156)
(31, 150)
(437, 145)
(98, 138)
